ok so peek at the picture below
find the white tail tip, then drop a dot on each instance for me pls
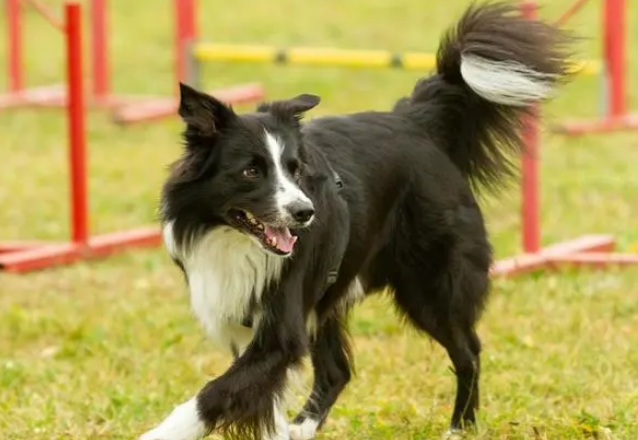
(505, 82)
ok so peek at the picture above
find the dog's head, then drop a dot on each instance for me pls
(243, 171)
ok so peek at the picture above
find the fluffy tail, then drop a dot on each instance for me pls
(491, 67)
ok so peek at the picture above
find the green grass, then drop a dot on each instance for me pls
(105, 349)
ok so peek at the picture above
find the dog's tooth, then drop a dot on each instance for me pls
(273, 241)
(260, 226)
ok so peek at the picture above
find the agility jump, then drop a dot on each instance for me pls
(328, 57)
(100, 94)
(18, 95)
(616, 115)
(587, 251)
(192, 53)
(324, 57)
(163, 107)
(593, 250)
(32, 255)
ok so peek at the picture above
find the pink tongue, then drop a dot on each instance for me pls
(284, 240)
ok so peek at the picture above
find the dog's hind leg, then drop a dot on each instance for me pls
(330, 354)
(444, 303)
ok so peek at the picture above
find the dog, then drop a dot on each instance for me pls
(280, 225)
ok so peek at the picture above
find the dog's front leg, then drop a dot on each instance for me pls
(183, 423)
(242, 402)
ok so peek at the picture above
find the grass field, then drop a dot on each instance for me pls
(104, 350)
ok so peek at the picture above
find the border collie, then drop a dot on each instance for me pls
(280, 226)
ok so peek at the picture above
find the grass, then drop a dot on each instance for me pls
(105, 349)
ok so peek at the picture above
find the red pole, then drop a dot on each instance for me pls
(99, 50)
(77, 135)
(15, 80)
(614, 54)
(185, 32)
(529, 184)
(569, 13)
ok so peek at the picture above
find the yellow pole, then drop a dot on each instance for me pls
(314, 56)
(318, 56)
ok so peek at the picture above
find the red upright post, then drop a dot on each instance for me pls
(77, 135)
(530, 184)
(99, 51)
(569, 13)
(617, 116)
(614, 55)
(185, 33)
(14, 54)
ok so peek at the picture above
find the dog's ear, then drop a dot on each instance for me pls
(293, 108)
(202, 112)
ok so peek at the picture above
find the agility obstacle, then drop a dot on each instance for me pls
(589, 250)
(616, 115)
(100, 95)
(192, 54)
(55, 96)
(158, 108)
(27, 256)
(203, 52)
(310, 56)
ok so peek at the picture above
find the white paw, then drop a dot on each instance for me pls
(453, 434)
(182, 424)
(279, 435)
(305, 430)
(281, 427)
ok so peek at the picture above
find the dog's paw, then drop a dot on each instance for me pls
(280, 435)
(305, 430)
(182, 424)
(153, 434)
(281, 428)
(454, 434)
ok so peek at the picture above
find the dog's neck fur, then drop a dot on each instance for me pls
(227, 274)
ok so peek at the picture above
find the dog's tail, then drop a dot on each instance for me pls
(491, 67)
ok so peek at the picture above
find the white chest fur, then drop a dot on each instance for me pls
(226, 271)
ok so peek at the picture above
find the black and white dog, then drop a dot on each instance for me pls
(280, 226)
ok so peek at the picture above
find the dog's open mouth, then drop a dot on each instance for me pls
(278, 240)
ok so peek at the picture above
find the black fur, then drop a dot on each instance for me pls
(405, 219)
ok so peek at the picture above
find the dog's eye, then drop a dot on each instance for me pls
(250, 172)
(294, 169)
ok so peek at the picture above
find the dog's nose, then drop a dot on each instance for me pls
(302, 212)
